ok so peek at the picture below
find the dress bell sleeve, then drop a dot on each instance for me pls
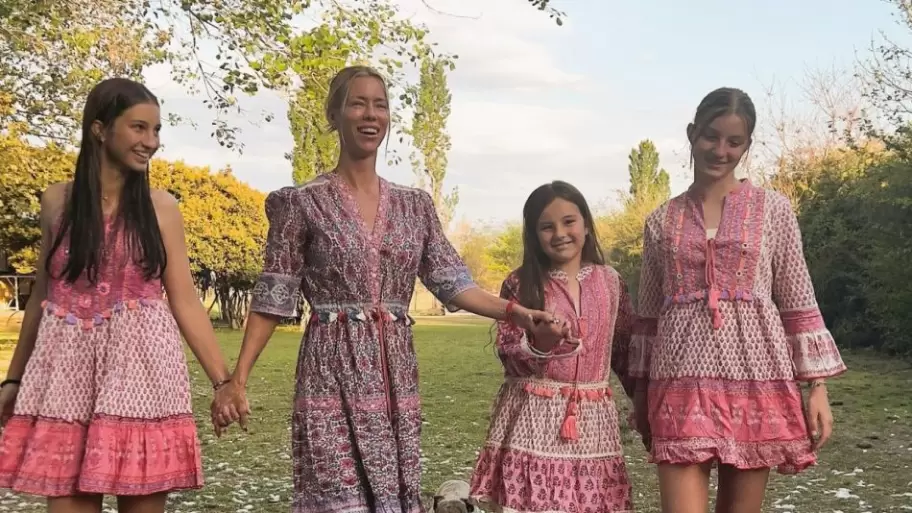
(650, 300)
(276, 289)
(814, 352)
(441, 270)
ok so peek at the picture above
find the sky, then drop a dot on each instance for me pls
(534, 102)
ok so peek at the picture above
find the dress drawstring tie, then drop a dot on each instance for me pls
(712, 300)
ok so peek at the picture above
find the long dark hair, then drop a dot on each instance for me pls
(534, 269)
(83, 217)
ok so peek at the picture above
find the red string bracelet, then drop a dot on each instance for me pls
(508, 311)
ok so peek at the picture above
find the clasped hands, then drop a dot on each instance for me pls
(548, 330)
(229, 405)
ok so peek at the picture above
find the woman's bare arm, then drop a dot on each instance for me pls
(257, 333)
(52, 202)
(186, 307)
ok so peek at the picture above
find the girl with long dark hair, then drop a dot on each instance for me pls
(554, 440)
(97, 396)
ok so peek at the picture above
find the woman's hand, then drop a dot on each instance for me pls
(528, 319)
(548, 335)
(547, 329)
(229, 405)
(819, 415)
(8, 396)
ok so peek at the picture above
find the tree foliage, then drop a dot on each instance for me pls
(854, 212)
(316, 148)
(621, 233)
(474, 244)
(490, 253)
(25, 172)
(646, 177)
(53, 51)
(224, 218)
(887, 73)
(225, 223)
(431, 109)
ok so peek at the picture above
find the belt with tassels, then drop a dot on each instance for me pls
(573, 392)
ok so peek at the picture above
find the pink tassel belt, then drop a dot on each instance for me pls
(573, 392)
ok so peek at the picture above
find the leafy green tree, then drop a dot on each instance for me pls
(853, 210)
(646, 177)
(53, 51)
(224, 218)
(505, 252)
(473, 243)
(316, 148)
(25, 172)
(431, 106)
(225, 223)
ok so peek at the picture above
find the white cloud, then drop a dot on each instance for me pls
(487, 127)
(502, 45)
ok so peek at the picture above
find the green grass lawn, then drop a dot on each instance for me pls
(866, 468)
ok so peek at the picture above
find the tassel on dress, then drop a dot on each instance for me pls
(568, 430)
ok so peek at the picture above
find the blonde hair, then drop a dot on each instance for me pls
(340, 86)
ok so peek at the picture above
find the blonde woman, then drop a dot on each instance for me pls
(354, 244)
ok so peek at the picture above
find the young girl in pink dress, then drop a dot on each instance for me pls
(553, 444)
(729, 329)
(97, 396)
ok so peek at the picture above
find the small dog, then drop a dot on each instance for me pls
(453, 497)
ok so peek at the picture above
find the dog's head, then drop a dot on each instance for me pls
(453, 497)
(442, 505)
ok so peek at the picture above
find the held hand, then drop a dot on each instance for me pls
(8, 396)
(229, 405)
(548, 335)
(819, 417)
(528, 319)
(547, 329)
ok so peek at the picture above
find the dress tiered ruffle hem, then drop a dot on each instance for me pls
(104, 405)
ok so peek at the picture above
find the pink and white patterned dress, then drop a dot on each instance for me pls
(728, 327)
(554, 444)
(104, 405)
(356, 425)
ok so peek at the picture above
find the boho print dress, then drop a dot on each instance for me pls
(104, 406)
(554, 441)
(356, 424)
(728, 327)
